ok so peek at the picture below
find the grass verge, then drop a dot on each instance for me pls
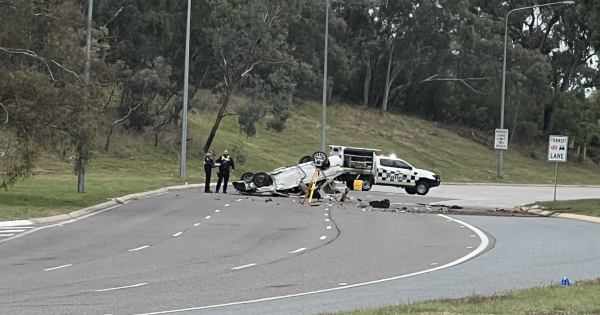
(589, 207)
(579, 298)
(134, 164)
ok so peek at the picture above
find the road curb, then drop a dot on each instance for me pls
(99, 207)
(577, 217)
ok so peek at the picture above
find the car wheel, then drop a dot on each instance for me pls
(422, 188)
(247, 177)
(410, 190)
(320, 159)
(261, 179)
(305, 159)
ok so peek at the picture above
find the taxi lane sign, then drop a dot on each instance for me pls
(501, 141)
(557, 148)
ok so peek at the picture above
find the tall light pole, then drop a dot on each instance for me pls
(324, 110)
(501, 155)
(81, 160)
(185, 94)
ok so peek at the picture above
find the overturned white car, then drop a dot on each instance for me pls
(294, 180)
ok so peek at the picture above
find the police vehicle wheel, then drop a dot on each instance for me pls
(305, 159)
(261, 179)
(247, 177)
(410, 190)
(422, 188)
(320, 159)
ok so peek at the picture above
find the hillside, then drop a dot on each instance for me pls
(133, 164)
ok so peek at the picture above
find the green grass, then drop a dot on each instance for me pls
(579, 298)
(133, 164)
(589, 207)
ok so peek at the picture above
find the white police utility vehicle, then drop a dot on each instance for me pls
(373, 169)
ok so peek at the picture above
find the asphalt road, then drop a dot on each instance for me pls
(185, 249)
(484, 196)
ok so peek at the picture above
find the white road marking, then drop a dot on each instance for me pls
(239, 200)
(58, 267)
(217, 210)
(16, 227)
(433, 264)
(298, 250)
(470, 247)
(177, 234)
(133, 250)
(343, 283)
(327, 220)
(125, 287)
(329, 227)
(6, 234)
(326, 214)
(208, 217)
(244, 266)
(196, 224)
(227, 205)
(323, 237)
(11, 231)
(482, 246)
(326, 209)
(473, 235)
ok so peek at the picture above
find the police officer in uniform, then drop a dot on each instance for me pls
(209, 164)
(226, 163)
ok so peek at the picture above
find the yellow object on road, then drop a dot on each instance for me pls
(358, 184)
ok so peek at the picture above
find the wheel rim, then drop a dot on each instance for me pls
(366, 185)
(421, 188)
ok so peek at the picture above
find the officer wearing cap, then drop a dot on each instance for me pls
(209, 164)
(226, 165)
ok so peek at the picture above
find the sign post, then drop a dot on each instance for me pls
(557, 152)
(501, 143)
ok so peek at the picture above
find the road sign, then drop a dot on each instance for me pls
(557, 148)
(501, 142)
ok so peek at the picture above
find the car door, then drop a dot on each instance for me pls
(406, 174)
(385, 172)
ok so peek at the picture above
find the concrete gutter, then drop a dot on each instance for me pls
(515, 185)
(99, 207)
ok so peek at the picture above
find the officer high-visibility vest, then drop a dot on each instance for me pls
(226, 159)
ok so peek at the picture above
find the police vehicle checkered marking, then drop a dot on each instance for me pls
(393, 176)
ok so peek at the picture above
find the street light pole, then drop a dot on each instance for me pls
(324, 110)
(88, 52)
(185, 94)
(501, 155)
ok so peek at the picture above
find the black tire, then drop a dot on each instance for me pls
(320, 159)
(247, 177)
(410, 190)
(262, 179)
(305, 159)
(422, 188)
(367, 184)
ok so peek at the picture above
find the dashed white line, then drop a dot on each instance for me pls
(58, 267)
(6, 234)
(462, 226)
(125, 287)
(343, 283)
(298, 250)
(217, 210)
(327, 220)
(433, 264)
(177, 234)
(323, 237)
(326, 209)
(239, 200)
(326, 213)
(244, 266)
(208, 217)
(227, 205)
(133, 250)
(329, 227)
(470, 247)
(472, 235)
(196, 224)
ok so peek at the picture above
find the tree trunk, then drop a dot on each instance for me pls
(540, 99)
(386, 91)
(108, 138)
(367, 83)
(213, 132)
(584, 151)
